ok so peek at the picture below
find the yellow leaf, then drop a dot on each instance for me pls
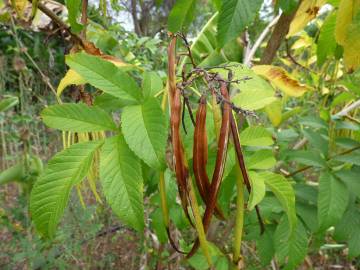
(274, 112)
(19, 6)
(307, 11)
(345, 15)
(71, 77)
(352, 47)
(281, 79)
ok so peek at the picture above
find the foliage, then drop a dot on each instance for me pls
(288, 132)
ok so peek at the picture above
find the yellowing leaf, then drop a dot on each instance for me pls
(19, 6)
(307, 11)
(71, 77)
(274, 111)
(281, 79)
(352, 45)
(346, 12)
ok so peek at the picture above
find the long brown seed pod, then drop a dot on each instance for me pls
(219, 165)
(241, 161)
(200, 154)
(181, 169)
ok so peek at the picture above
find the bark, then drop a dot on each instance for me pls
(278, 35)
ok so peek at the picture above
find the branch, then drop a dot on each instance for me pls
(249, 57)
(329, 158)
(348, 109)
(279, 33)
(59, 22)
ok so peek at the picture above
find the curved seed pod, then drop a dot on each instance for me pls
(244, 173)
(200, 154)
(219, 165)
(181, 170)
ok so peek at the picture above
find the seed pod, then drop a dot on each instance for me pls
(242, 166)
(200, 154)
(219, 165)
(181, 169)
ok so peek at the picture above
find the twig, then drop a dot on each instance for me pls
(348, 109)
(329, 158)
(292, 59)
(250, 55)
(59, 22)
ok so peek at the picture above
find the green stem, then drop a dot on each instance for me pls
(164, 208)
(198, 223)
(239, 219)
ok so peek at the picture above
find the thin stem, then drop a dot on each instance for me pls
(239, 220)
(334, 156)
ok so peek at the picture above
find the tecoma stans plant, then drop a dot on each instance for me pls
(260, 143)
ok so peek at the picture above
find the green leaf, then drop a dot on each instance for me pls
(332, 200)
(257, 189)
(265, 247)
(248, 100)
(348, 229)
(73, 7)
(234, 16)
(217, 4)
(7, 103)
(256, 136)
(152, 84)
(121, 179)
(145, 131)
(284, 193)
(306, 157)
(51, 191)
(308, 214)
(351, 158)
(254, 92)
(351, 179)
(326, 43)
(109, 103)
(106, 76)
(261, 160)
(317, 141)
(288, 5)
(181, 15)
(77, 117)
(290, 251)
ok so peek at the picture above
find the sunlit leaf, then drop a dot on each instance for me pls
(257, 189)
(256, 136)
(105, 76)
(77, 117)
(326, 43)
(274, 112)
(347, 10)
(71, 77)
(281, 79)
(307, 11)
(261, 160)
